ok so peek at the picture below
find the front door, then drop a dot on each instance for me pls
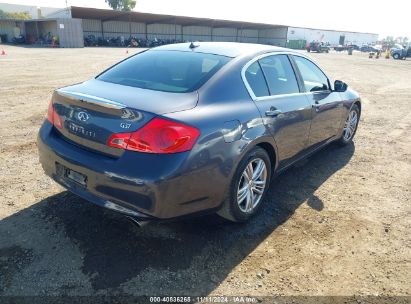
(326, 105)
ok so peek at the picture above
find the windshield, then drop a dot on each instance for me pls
(169, 71)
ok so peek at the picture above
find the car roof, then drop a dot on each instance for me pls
(229, 49)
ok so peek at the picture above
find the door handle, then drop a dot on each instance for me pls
(272, 113)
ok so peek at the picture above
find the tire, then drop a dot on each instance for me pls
(239, 211)
(350, 130)
(396, 56)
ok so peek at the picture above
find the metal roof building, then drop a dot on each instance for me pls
(110, 23)
(74, 23)
(69, 31)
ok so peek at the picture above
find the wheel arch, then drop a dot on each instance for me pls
(271, 153)
(358, 103)
(268, 144)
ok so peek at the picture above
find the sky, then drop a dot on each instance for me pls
(381, 17)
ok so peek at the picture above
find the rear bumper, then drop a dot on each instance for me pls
(141, 185)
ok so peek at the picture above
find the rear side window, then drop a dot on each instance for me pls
(314, 79)
(279, 74)
(169, 71)
(255, 79)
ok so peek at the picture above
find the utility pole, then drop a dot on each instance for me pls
(67, 11)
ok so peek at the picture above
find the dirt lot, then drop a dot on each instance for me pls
(336, 224)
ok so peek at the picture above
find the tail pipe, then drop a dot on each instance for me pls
(138, 223)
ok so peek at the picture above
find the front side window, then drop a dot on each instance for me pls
(314, 79)
(279, 75)
(169, 71)
(255, 79)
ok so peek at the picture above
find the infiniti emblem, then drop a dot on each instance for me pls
(83, 116)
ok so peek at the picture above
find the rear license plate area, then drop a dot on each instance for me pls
(71, 175)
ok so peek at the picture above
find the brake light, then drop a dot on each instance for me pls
(53, 117)
(158, 136)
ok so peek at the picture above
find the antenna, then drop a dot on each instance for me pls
(193, 46)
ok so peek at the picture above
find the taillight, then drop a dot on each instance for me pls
(158, 136)
(53, 117)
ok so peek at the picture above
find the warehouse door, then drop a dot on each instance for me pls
(342, 40)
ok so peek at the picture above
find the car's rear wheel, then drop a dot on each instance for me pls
(396, 56)
(248, 187)
(350, 125)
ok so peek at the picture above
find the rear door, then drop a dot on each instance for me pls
(285, 110)
(326, 105)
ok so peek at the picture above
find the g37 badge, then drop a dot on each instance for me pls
(125, 125)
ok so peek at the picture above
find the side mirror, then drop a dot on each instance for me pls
(340, 86)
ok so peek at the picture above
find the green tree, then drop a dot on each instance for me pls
(402, 40)
(2, 15)
(121, 5)
(21, 15)
(389, 41)
(15, 15)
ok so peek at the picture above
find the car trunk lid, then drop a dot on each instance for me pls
(94, 110)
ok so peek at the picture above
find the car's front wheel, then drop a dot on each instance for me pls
(350, 126)
(248, 187)
(396, 56)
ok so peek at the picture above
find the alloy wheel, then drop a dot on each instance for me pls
(252, 185)
(350, 125)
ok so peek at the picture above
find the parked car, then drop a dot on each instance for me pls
(353, 46)
(399, 52)
(188, 129)
(347, 47)
(368, 49)
(319, 47)
(19, 39)
(340, 48)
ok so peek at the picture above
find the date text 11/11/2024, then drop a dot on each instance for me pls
(206, 299)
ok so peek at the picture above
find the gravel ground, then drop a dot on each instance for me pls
(335, 224)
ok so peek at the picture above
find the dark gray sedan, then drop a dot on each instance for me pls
(194, 128)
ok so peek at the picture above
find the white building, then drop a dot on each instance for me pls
(331, 36)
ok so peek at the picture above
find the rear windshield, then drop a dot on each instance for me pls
(169, 71)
